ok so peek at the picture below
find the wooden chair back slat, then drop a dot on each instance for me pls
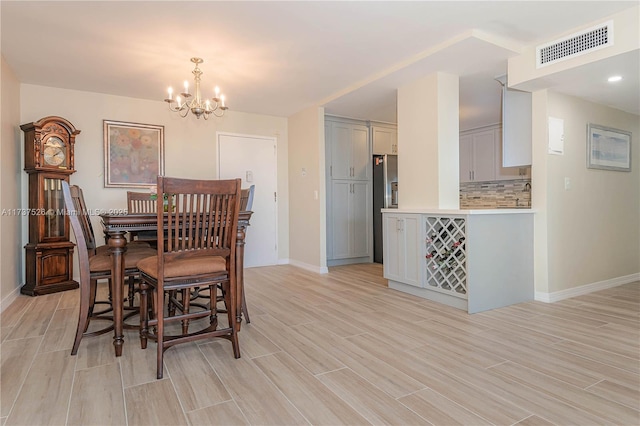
(199, 221)
(140, 202)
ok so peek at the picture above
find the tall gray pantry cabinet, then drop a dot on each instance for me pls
(349, 196)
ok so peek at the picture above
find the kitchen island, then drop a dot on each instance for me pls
(474, 260)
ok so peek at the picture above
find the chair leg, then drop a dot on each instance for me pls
(245, 311)
(93, 289)
(231, 316)
(213, 305)
(132, 281)
(144, 314)
(159, 308)
(185, 310)
(83, 316)
(171, 305)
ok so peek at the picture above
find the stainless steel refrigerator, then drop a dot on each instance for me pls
(385, 196)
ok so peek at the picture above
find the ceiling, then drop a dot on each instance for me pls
(278, 58)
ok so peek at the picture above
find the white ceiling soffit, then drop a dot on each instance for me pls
(623, 95)
(468, 55)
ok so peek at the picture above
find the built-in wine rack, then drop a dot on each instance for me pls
(446, 257)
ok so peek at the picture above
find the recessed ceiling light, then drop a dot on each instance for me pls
(615, 78)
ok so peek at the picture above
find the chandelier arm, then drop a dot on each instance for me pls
(183, 112)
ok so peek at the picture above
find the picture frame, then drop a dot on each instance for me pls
(133, 154)
(608, 148)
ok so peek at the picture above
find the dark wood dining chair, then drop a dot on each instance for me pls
(141, 202)
(246, 204)
(246, 198)
(196, 250)
(95, 264)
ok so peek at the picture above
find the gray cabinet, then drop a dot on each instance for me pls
(402, 248)
(477, 156)
(349, 194)
(385, 140)
(482, 155)
(471, 261)
(350, 157)
(508, 173)
(351, 224)
(516, 124)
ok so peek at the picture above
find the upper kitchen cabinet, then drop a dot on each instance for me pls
(481, 157)
(477, 156)
(350, 153)
(507, 173)
(516, 128)
(385, 140)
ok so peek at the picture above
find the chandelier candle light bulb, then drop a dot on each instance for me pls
(197, 106)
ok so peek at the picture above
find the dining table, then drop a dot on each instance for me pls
(117, 225)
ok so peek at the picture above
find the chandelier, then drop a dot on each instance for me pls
(198, 106)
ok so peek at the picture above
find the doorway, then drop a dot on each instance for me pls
(253, 159)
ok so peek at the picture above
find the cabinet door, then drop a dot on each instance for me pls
(507, 173)
(340, 151)
(360, 156)
(393, 248)
(402, 254)
(385, 140)
(340, 195)
(484, 156)
(359, 225)
(350, 154)
(516, 121)
(466, 155)
(412, 256)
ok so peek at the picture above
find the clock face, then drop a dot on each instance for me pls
(54, 151)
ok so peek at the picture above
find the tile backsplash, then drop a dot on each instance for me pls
(494, 194)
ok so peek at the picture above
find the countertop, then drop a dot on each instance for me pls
(462, 212)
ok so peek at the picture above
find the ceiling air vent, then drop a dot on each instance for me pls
(574, 45)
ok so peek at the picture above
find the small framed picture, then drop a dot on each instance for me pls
(133, 154)
(608, 148)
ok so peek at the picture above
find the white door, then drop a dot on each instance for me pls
(253, 159)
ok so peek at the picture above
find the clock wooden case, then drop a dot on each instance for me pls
(49, 160)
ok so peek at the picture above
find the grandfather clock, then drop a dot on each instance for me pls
(48, 159)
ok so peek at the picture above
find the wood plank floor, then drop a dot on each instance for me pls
(332, 349)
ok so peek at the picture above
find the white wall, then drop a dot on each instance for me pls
(428, 143)
(593, 229)
(307, 213)
(10, 180)
(189, 143)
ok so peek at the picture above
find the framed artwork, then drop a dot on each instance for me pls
(133, 154)
(608, 148)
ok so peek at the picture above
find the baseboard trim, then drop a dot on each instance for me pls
(585, 289)
(349, 261)
(11, 297)
(308, 267)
